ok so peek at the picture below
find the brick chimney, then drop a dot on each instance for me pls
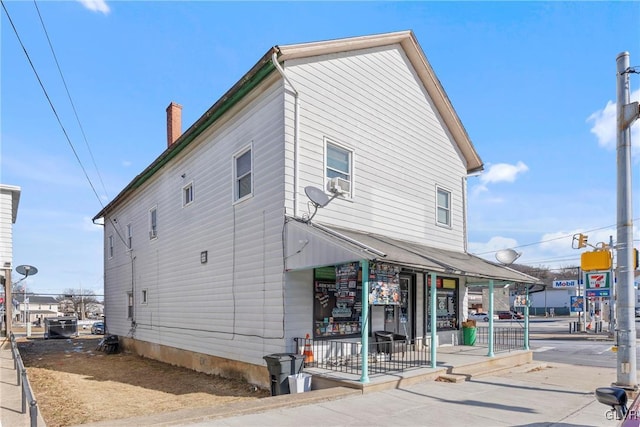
(174, 123)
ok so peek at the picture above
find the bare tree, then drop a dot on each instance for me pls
(77, 302)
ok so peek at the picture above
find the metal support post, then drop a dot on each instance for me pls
(364, 333)
(625, 305)
(490, 338)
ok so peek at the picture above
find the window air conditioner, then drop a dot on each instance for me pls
(339, 185)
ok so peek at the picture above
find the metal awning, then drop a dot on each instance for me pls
(310, 245)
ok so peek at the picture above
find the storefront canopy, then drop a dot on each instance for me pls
(310, 245)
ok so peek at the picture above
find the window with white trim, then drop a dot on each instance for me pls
(129, 305)
(143, 299)
(110, 246)
(153, 222)
(187, 194)
(338, 164)
(243, 177)
(443, 207)
(129, 236)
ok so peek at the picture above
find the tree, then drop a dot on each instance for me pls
(77, 302)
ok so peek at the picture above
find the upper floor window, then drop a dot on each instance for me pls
(153, 222)
(110, 246)
(243, 182)
(143, 299)
(187, 194)
(129, 236)
(339, 168)
(444, 207)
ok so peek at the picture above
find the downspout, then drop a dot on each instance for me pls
(296, 120)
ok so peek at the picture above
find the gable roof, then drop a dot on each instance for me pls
(264, 67)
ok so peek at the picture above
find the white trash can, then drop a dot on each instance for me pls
(299, 383)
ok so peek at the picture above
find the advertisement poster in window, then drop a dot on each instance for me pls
(384, 284)
(338, 300)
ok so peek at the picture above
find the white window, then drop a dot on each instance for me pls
(339, 164)
(153, 223)
(444, 207)
(187, 194)
(129, 236)
(110, 246)
(143, 300)
(243, 182)
(129, 305)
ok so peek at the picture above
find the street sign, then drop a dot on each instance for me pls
(577, 304)
(598, 280)
(598, 293)
(564, 284)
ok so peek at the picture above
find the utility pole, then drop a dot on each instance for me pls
(626, 114)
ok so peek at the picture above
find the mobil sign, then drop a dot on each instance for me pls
(565, 284)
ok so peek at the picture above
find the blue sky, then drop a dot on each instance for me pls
(534, 84)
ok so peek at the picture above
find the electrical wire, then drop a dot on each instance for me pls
(73, 107)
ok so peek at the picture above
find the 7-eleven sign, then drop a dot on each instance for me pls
(599, 280)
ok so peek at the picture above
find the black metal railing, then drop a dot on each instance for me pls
(504, 339)
(386, 354)
(23, 381)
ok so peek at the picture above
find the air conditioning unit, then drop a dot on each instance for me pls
(339, 185)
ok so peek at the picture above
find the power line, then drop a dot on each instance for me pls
(55, 113)
(73, 107)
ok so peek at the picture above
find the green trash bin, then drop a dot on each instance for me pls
(469, 336)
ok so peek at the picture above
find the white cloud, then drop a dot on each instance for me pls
(96, 5)
(126, 163)
(503, 172)
(604, 125)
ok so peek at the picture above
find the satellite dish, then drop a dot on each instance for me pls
(507, 256)
(317, 196)
(27, 270)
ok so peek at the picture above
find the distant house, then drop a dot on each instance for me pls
(9, 201)
(34, 308)
(254, 227)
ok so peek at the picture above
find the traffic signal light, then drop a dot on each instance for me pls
(579, 240)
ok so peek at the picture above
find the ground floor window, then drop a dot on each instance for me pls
(446, 304)
(337, 308)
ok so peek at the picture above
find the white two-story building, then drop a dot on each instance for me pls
(224, 250)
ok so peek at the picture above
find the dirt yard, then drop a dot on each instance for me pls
(74, 383)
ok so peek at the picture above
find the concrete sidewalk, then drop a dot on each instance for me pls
(11, 392)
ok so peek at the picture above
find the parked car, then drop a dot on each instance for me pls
(637, 311)
(481, 317)
(510, 315)
(97, 328)
(616, 398)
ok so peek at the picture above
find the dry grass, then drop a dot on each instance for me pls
(74, 383)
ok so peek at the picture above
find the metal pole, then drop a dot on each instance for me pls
(434, 335)
(364, 333)
(526, 321)
(612, 299)
(626, 327)
(490, 313)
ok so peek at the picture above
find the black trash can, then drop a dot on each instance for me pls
(280, 366)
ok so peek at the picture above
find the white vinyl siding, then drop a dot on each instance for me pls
(232, 306)
(376, 102)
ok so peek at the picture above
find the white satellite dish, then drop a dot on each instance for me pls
(507, 256)
(317, 196)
